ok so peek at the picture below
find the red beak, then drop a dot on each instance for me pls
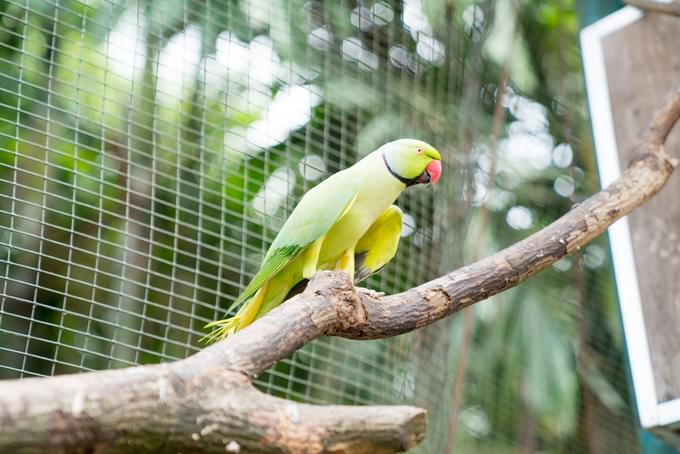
(435, 170)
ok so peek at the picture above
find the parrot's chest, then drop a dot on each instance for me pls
(374, 198)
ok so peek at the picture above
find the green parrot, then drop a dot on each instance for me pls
(347, 222)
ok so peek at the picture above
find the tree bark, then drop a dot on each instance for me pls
(170, 408)
(206, 403)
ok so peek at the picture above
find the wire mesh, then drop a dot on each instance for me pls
(149, 152)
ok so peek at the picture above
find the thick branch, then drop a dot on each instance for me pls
(174, 408)
(206, 402)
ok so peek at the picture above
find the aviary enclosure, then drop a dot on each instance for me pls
(150, 150)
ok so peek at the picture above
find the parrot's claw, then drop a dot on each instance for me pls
(370, 292)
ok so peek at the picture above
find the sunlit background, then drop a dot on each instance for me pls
(150, 151)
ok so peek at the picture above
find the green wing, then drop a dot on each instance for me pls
(379, 244)
(318, 210)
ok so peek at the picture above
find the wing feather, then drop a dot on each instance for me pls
(379, 244)
(318, 210)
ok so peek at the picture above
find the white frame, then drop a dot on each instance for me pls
(652, 413)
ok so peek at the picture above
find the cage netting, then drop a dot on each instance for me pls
(150, 151)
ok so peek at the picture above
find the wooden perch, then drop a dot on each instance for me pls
(206, 403)
(177, 408)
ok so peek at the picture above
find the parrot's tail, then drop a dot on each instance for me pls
(222, 329)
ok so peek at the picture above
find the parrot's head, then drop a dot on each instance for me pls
(412, 161)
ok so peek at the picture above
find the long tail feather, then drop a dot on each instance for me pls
(222, 329)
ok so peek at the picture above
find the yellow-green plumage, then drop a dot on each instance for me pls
(346, 219)
(378, 245)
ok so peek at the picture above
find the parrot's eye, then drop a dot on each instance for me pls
(419, 150)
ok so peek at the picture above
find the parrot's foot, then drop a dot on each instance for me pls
(370, 292)
(220, 329)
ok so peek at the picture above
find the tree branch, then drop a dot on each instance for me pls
(206, 402)
(170, 409)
